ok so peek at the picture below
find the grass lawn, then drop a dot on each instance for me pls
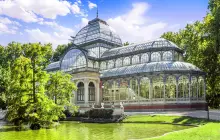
(207, 130)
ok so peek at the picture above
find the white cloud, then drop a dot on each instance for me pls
(8, 26)
(59, 35)
(135, 26)
(31, 10)
(91, 5)
(84, 22)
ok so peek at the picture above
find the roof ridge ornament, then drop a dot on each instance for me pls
(97, 13)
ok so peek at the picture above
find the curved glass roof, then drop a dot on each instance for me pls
(150, 67)
(53, 65)
(158, 43)
(73, 59)
(95, 30)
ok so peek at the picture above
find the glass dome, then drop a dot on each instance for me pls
(73, 59)
(97, 29)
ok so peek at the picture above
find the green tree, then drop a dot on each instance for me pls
(201, 41)
(60, 88)
(60, 50)
(126, 43)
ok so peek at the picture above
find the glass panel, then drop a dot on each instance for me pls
(110, 64)
(72, 60)
(201, 87)
(155, 57)
(144, 88)
(193, 87)
(133, 90)
(135, 59)
(103, 65)
(158, 84)
(167, 56)
(126, 61)
(118, 62)
(183, 88)
(170, 88)
(144, 58)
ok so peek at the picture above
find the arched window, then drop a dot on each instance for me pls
(201, 86)
(126, 61)
(194, 87)
(73, 59)
(144, 58)
(103, 65)
(90, 63)
(157, 87)
(144, 88)
(183, 87)
(133, 90)
(96, 64)
(155, 57)
(135, 59)
(170, 88)
(110, 64)
(80, 91)
(167, 56)
(118, 62)
(91, 91)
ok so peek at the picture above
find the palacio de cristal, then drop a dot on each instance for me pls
(145, 76)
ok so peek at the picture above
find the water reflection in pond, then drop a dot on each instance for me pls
(83, 131)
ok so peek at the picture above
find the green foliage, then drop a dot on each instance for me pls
(201, 41)
(60, 88)
(23, 84)
(60, 50)
(126, 43)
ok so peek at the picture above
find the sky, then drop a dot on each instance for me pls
(54, 21)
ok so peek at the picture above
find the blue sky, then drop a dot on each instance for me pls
(55, 20)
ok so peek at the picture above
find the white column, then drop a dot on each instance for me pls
(151, 89)
(86, 89)
(98, 92)
(177, 90)
(164, 88)
(189, 88)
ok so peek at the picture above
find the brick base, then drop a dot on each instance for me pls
(165, 107)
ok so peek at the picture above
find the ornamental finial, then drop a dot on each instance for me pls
(97, 13)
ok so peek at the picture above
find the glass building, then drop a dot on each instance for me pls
(145, 76)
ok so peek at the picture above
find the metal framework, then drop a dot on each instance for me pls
(151, 71)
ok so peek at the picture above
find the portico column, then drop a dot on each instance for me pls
(189, 88)
(177, 90)
(98, 92)
(86, 88)
(151, 89)
(164, 88)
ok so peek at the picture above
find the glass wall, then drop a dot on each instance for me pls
(170, 88)
(73, 59)
(118, 62)
(135, 59)
(126, 61)
(144, 88)
(144, 58)
(193, 87)
(167, 56)
(158, 85)
(183, 87)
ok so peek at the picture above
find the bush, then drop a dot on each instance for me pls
(100, 113)
(68, 113)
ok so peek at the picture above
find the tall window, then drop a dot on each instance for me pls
(80, 91)
(91, 91)
(110, 64)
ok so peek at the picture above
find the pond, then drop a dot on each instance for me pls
(85, 131)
